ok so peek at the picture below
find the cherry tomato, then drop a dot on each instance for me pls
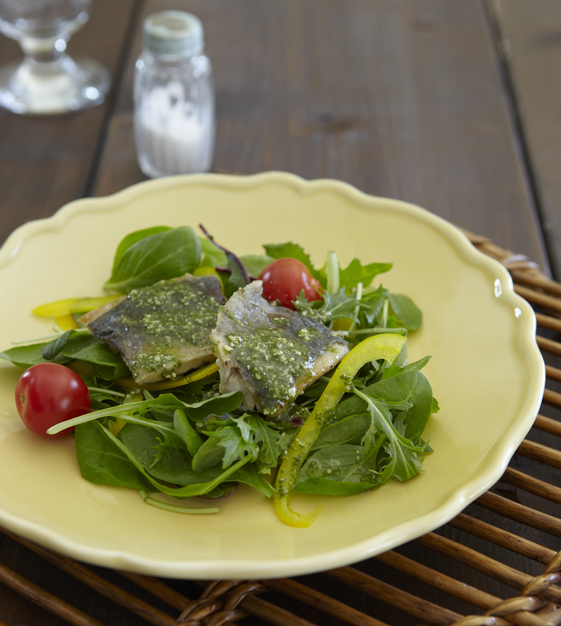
(47, 394)
(284, 279)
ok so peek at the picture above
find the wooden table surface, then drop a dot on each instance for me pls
(454, 105)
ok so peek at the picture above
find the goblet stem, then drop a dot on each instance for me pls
(48, 81)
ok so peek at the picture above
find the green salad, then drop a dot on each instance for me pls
(201, 369)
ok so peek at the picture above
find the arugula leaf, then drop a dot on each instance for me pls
(357, 273)
(403, 456)
(292, 251)
(395, 392)
(163, 255)
(371, 304)
(248, 434)
(162, 403)
(334, 306)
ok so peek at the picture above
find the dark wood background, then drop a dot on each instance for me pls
(454, 105)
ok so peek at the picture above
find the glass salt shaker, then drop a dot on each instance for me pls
(173, 97)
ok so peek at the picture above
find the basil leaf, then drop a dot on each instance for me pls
(160, 256)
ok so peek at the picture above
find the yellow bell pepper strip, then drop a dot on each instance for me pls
(117, 423)
(202, 372)
(385, 346)
(205, 270)
(72, 305)
(66, 322)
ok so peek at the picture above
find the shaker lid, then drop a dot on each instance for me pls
(173, 33)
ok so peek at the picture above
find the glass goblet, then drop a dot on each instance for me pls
(48, 81)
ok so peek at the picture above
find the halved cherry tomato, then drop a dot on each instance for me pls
(49, 393)
(284, 279)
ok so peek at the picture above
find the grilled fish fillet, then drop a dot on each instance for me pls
(270, 353)
(162, 330)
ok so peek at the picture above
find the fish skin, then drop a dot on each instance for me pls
(286, 354)
(149, 322)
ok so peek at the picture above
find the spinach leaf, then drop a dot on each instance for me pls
(132, 238)
(163, 255)
(336, 471)
(85, 347)
(256, 263)
(346, 430)
(71, 345)
(26, 356)
(406, 311)
(54, 347)
(321, 486)
(102, 462)
(98, 465)
(213, 255)
(418, 415)
(209, 454)
(395, 392)
(193, 441)
(249, 475)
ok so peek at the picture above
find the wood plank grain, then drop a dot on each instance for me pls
(401, 99)
(532, 48)
(46, 162)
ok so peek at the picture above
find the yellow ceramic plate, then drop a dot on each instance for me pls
(486, 372)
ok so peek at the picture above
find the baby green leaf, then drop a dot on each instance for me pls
(406, 311)
(292, 251)
(357, 273)
(160, 256)
(132, 238)
(188, 434)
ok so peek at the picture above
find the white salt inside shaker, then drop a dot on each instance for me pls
(174, 99)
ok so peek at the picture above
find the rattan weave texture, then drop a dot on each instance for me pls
(440, 579)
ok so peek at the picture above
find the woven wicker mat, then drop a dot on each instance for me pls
(437, 579)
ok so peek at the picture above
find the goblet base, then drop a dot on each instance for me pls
(79, 86)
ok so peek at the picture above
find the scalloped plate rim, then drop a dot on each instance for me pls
(403, 533)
